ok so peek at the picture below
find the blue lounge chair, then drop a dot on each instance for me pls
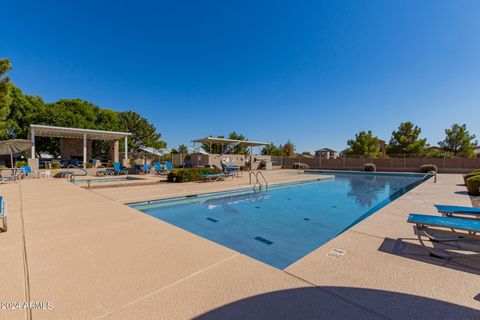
(216, 176)
(117, 168)
(3, 213)
(456, 211)
(27, 171)
(163, 170)
(443, 230)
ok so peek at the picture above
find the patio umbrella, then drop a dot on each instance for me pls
(14, 146)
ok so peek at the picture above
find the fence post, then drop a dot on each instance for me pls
(404, 161)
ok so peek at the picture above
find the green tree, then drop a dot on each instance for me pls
(143, 132)
(289, 149)
(182, 149)
(306, 153)
(5, 99)
(272, 150)
(364, 144)
(406, 140)
(459, 141)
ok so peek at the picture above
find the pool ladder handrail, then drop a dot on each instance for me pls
(257, 180)
(431, 173)
(73, 175)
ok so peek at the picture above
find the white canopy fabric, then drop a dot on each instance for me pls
(14, 146)
(158, 152)
(198, 150)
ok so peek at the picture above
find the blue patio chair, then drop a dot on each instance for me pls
(456, 211)
(3, 213)
(169, 166)
(27, 171)
(444, 230)
(117, 168)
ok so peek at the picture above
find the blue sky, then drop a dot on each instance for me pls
(314, 72)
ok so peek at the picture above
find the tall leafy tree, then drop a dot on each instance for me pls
(182, 149)
(143, 132)
(289, 149)
(459, 141)
(5, 99)
(406, 140)
(24, 110)
(365, 144)
(273, 150)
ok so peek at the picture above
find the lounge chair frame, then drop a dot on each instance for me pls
(436, 234)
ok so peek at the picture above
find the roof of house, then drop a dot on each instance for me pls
(326, 149)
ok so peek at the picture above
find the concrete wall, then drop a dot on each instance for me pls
(458, 165)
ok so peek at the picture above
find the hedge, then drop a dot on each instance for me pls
(370, 167)
(190, 174)
(473, 185)
(469, 175)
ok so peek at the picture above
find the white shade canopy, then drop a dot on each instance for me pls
(14, 146)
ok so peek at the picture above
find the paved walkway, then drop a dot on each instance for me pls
(95, 258)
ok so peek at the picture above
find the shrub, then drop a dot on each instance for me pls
(469, 175)
(299, 165)
(428, 167)
(370, 167)
(473, 185)
(476, 171)
(55, 165)
(191, 174)
(19, 164)
(89, 165)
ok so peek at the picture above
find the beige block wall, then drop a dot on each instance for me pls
(70, 148)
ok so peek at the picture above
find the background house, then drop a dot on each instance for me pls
(326, 153)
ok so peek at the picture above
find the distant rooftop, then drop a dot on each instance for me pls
(326, 149)
(225, 142)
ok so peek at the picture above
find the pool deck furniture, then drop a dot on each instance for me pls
(27, 171)
(3, 214)
(456, 211)
(445, 229)
(117, 169)
(104, 172)
(216, 177)
(13, 175)
(158, 169)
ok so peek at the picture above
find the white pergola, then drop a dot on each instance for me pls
(225, 142)
(77, 133)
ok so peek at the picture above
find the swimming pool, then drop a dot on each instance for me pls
(280, 225)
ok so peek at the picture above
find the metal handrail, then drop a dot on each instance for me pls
(260, 173)
(257, 180)
(73, 175)
(434, 173)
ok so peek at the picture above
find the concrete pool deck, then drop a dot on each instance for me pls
(95, 258)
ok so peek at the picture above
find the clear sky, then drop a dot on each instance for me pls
(315, 72)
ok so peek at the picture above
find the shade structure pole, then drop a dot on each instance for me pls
(126, 148)
(11, 158)
(33, 145)
(84, 150)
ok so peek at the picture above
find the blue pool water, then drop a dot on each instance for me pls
(283, 224)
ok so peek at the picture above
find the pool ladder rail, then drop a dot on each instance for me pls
(73, 175)
(431, 173)
(258, 183)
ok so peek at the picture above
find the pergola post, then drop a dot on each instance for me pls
(126, 148)
(84, 150)
(33, 141)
